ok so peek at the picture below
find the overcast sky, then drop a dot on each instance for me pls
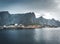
(47, 8)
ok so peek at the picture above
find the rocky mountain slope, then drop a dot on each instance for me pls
(26, 19)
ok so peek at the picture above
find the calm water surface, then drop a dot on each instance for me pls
(30, 36)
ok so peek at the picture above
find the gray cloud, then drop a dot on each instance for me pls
(42, 4)
(37, 4)
(50, 6)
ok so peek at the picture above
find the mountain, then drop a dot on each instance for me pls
(6, 18)
(26, 19)
(47, 22)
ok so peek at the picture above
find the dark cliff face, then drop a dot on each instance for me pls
(4, 17)
(47, 22)
(26, 19)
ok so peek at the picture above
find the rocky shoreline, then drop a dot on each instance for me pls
(24, 27)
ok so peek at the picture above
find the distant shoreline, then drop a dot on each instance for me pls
(25, 27)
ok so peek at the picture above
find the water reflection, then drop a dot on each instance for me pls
(18, 36)
(33, 36)
(37, 35)
(47, 36)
